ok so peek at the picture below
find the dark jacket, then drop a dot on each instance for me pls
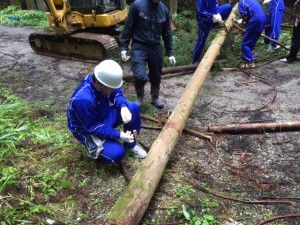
(147, 22)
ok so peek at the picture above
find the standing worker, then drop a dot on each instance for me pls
(208, 13)
(274, 20)
(147, 22)
(97, 107)
(295, 45)
(253, 14)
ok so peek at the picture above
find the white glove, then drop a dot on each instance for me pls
(124, 56)
(127, 137)
(266, 1)
(239, 21)
(126, 115)
(216, 18)
(172, 60)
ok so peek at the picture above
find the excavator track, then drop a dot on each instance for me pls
(83, 45)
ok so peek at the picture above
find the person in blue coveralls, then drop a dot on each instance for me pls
(295, 42)
(148, 21)
(97, 107)
(208, 14)
(254, 16)
(274, 20)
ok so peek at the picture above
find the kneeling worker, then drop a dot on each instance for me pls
(97, 107)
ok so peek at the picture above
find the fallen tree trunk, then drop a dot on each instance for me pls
(247, 128)
(134, 201)
(169, 71)
(176, 69)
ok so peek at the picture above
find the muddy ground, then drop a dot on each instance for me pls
(237, 169)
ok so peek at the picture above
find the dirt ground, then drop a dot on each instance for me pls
(237, 170)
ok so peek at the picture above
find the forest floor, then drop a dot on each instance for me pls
(236, 170)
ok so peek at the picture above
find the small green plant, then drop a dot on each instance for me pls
(184, 191)
(268, 214)
(51, 183)
(7, 177)
(190, 217)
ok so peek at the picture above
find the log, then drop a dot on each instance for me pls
(176, 69)
(167, 71)
(134, 201)
(31, 4)
(247, 128)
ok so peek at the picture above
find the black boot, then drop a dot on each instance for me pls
(139, 95)
(155, 97)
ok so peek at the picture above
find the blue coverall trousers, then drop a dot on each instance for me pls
(273, 26)
(248, 43)
(113, 151)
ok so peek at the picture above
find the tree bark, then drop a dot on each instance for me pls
(173, 7)
(255, 127)
(134, 201)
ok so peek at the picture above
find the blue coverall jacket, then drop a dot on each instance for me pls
(92, 113)
(204, 13)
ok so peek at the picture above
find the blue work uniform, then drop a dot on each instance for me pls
(274, 20)
(92, 113)
(255, 17)
(204, 13)
(146, 24)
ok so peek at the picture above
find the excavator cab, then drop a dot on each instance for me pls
(84, 29)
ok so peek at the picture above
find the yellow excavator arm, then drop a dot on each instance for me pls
(65, 18)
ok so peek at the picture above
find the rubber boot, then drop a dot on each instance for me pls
(139, 95)
(155, 98)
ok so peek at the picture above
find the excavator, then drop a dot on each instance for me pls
(81, 29)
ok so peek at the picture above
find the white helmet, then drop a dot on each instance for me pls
(109, 73)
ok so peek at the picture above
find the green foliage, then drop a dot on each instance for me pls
(8, 176)
(51, 182)
(184, 37)
(12, 15)
(185, 191)
(13, 126)
(190, 217)
(28, 185)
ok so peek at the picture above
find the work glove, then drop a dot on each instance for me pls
(126, 115)
(240, 21)
(217, 18)
(172, 60)
(124, 56)
(266, 1)
(127, 137)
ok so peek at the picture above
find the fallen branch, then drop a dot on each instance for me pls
(197, 185)
(169, 72)
(278, 218)
(125, 171)
(255, 127)
(187, 130)
(167, 76)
